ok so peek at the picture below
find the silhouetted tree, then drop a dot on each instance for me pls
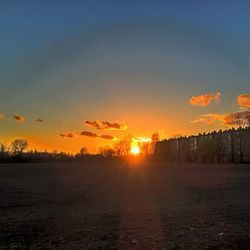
(83, 151)
(2, 148)
(107, 152)
(222, 146)
(18, 146)
(146, 148)
(3, 152)
(155, 138)
(239, 119)
(122, 147)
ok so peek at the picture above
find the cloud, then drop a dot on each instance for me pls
(1, 117)
(93, 135)
(209, 118)
(241, 118)
(39, 120)
(19, 118)
(205, 99)
(142, 139)
(244, 100)
(89, 134)
(108, 137)
(106, 125)
(94, 124)
(67, 135)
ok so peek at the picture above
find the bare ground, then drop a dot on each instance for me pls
(124, 206)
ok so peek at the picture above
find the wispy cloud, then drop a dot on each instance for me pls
(18, 118)
(1, 117)
(142, 139)
(209, 118)
(204, 99)
(241, 118)
(39, 120)
(67, 135)
(106, 125)
(244, 100)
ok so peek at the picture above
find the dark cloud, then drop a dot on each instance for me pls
(93, 135)
(106, 125)
(18, 117)
(70, 135)
(67, 135)
(204, 99)
(89, 134)
(94, 124)
(39, 120)
(108, 137)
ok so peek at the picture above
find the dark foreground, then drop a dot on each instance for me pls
(116, 206)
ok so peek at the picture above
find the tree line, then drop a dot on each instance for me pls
(232, 145)
(18, 151)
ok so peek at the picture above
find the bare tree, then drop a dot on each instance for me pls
(83, 151)
(122, 147)
(155, 138)
(2, 150)
(18, 146)
(146, 148)
(239, 119)
(106, 152)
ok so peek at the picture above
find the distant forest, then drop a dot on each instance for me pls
(17, 152)
(227, 146)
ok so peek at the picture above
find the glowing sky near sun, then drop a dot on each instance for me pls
(173, 67)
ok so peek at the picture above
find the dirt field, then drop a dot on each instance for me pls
(124, 206)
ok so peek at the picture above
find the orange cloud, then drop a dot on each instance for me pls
(93, 135)
(108, 137)
(89, 134)
(238, 119)
(205, 99)
(1, 116)
(106, 125)
(244, 100)
(232, 119)
(19, 118)
(67, 135)
(209, 118)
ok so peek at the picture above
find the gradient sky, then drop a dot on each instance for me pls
(135, 62)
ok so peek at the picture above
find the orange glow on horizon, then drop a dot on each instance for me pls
(135, 150)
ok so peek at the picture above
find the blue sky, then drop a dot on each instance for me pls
(129, 61)
(30, 24)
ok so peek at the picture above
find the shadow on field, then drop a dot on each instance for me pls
(119, 205)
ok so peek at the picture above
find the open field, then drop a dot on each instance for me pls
(124, 206)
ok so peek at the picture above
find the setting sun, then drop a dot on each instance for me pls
(135, 150)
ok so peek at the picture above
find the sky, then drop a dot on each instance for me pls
(86, 73)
